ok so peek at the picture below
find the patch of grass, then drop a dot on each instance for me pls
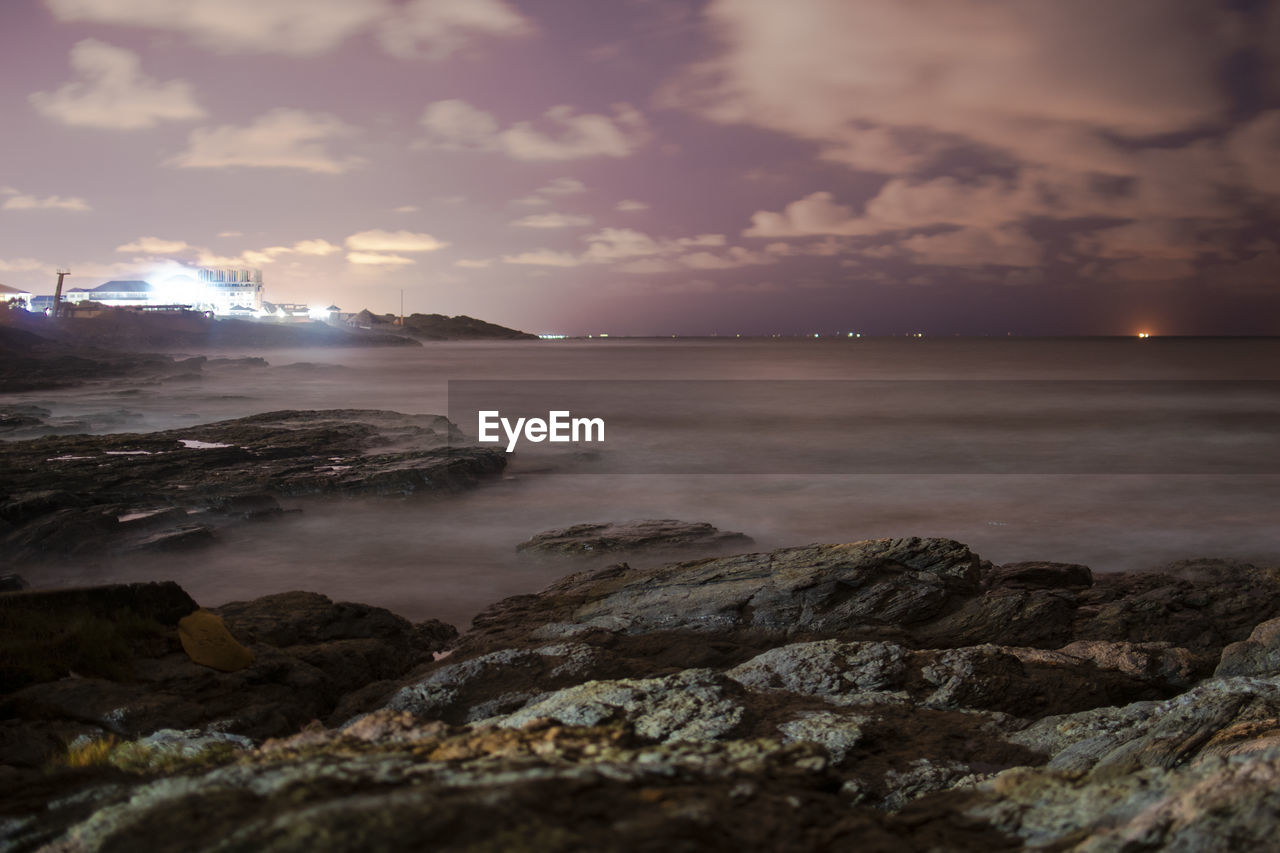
(143, 759)
(36, 647)
(94, 753)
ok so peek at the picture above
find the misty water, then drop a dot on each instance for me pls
(448, 558)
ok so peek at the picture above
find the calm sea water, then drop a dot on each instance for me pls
(447, 559)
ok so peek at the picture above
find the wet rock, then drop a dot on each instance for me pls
(185, 538)
(67, 493)
(633, 536)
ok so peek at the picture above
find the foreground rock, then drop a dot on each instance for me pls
(629, 537)
(880, 695)
(171, 490)
(108, 661)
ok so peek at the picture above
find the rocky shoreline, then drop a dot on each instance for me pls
(176, 489)
(880, 695)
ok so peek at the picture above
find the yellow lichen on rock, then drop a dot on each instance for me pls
(207, 641)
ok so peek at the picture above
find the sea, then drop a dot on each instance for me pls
(1117, 453)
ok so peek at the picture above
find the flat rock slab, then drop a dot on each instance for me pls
(613, 537)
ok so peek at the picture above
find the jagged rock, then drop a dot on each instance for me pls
(307, 654)
(1158, 663)
(846, 591)
(694, 705)
(1009, 617)
(1222, 716)
(1201, 606)
(541, 788)
(631, 536)
(493, 684)
(1258, 655)
(301, 618)
(984, 677)
(1219, 804)
(838, 734)
(66, 493)
(1039, 575)
(829, 669)
(924, 777)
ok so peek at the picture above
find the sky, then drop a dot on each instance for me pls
(653, 167)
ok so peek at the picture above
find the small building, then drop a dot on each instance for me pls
(13, 294)
(113, 294)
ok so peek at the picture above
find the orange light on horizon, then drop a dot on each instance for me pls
(1144, 334)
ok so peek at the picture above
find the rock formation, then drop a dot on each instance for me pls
(882, 695)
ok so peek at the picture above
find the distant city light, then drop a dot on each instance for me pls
(1144, 334)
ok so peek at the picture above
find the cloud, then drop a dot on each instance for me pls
(439, 28)
(112, 92)
(561, 135)
(631, 251)
(455, 125)
(1256, 147)
(315, 247)
(468, 263)
(816, 213)
(280, 139)
(23, 201)
(420, 28)
(1064, 112)
(543, 258)
(156, 246)
(563, 186)
(393, 241)
(230, 233)
(975, 247)
(205, 257)
(1154, 239)
(23, 265)
(377, 259)
(553, 220)
(406, 208)
(557, 187)
(904, 204)
(630, 205)
(882, 84)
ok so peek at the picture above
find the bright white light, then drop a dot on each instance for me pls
(318, 312)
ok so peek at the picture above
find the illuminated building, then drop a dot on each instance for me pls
(222, 291)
